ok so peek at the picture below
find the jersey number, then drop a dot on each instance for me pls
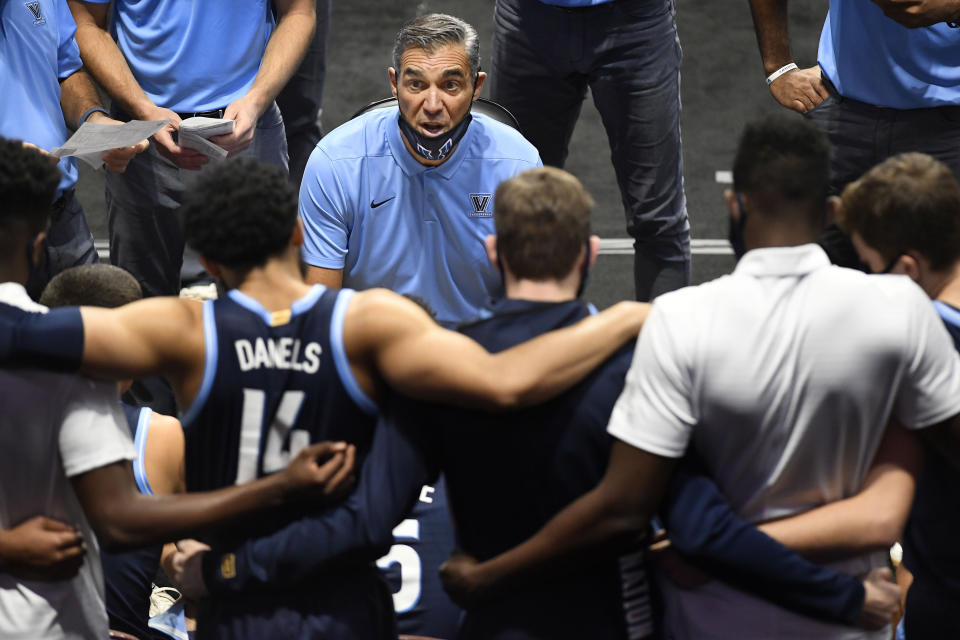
(409, 562)
(275, 458)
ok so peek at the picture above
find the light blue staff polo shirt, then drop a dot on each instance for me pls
(873, 59)
(368, 207)
(192, 55)
(37, 50)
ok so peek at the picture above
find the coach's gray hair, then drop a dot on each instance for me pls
(435, 30)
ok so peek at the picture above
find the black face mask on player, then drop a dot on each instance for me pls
(434, 148)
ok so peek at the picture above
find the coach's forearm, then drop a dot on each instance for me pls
(77, 95)
(103, 58)
(773, 35)
(288, 44)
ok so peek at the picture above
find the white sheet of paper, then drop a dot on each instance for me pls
(91, 141)
(194, 133)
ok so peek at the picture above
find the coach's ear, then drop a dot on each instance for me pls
(478, 83)
(490, 243)
(392, 73)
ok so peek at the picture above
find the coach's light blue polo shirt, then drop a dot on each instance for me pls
(192, 55)
(370, 208)
(873, 59)
(37, 50)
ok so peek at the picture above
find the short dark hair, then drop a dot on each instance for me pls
(240, 213)
(542, 218)
(28, 184)
(434, 30)
(93, 285)
(908, 201)
(783, 160)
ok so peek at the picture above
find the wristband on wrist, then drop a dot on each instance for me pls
(779, 72)
(89, 112)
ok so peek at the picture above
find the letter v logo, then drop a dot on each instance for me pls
(35, 10)
(480, 202)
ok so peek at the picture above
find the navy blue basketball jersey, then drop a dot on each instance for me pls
(273, 383)
(929, 539)
(543, 458)
(128, 577)
(421, 543)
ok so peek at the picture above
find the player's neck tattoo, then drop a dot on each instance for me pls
(437, 148)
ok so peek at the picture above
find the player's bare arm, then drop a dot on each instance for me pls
(106, 63)
(123, 517)
(614, 513)
(77, 96)
(41, 549)
(800, 89)
(326, 277)
(296, 20)
(871, 520)
(387, 335)
(164, 455)
(153, 336)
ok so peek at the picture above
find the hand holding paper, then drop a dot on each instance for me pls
(195, 133)
(95, 142)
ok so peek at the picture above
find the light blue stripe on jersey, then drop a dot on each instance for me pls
(35, 53)
(306, 302)
(192, 55)
(870, 58)
(251, 305)
(140, 442)
(340, 354)
(211, 353)
(949, 314)
(299, 306)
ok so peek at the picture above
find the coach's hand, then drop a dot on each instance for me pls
(462, 579)
(920, 13)
(117, 159)
(245, 113)
(181, 156)
(881, 601)
(323, 470)
(42, 549)
(185, 568)
(800, 89)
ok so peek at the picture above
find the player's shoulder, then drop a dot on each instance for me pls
(886, 289)
(495, 140)
(359, 137)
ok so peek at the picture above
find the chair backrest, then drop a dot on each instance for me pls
(488, 108)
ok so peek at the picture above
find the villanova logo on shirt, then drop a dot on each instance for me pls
(35, 10)
(481, 205)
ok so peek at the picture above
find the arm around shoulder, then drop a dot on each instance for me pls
(418, 358)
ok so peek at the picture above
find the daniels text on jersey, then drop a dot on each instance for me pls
(278, 353)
